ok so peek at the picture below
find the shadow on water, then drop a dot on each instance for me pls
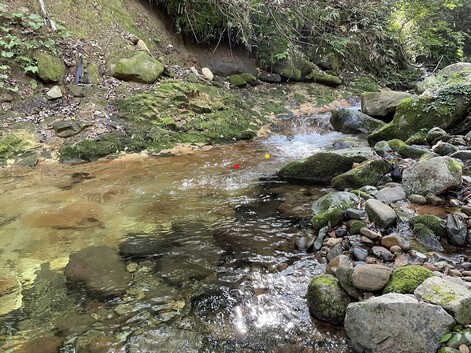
(210, 249)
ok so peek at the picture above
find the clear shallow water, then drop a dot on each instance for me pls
(226, 276)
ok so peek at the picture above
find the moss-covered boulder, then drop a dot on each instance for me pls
(350, 121)
(331, 208)
(294, 68)
(426, 238)
(237, 80)
(458, 73)
(326, 299)
(448, 108)
(432, 176)
(50, 68)
(141, 67)
(406, 279)
(322, 77)
(382, 103)
(319, 168)
(455, 298)
(434, 223)
(367, 173)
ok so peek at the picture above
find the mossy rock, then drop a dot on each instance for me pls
(319, 168)
(93, 73)
(324, 78)
(10, 146)
(330, 208)
(355, 226)
(326, 299)
(250, 79)
(396, 144)
(426, 238)
(413, 114)
(419, 138)
(141, 67)
(406, 279)
(367, 173)
(50, 67)
(434, 223)
(237, 80)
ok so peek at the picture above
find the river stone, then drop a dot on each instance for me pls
(382, 148)
(371, 278)
(444, 148)
(100, 269)
(367, 173)
(320, 238)
(380, 213)
(66, 128)
(370, 234)
(432, 176)
(165, 339)
(427, 238)
(359, 253)
(456, 229)
(54, 93)
(331, 207)
(45, 344)
(453, 297)
(326, 299)
(270, 78)
(435, 133)
(349, 121)
(319, 168)
(382, 253)
(396, 323)
(382, 103)
(464, 155)
(391, 240)
(414, 152)
(141, 67)
(137, 246)
(391, 194)
(207, 73)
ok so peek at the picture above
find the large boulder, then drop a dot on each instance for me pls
(453, 297)
(432, 176)
(349, 121)
(448, 108)
(447, 77)
(50, 68)
(382, 103)
(396, 323)
(319, 168)
(367, 173)
(141, 67)
(326, 299)
(100, 269)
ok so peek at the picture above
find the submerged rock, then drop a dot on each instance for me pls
(331, 208)
(100, 269)
(326, 299)
(396, 323)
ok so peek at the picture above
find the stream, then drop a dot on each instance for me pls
(220, 272)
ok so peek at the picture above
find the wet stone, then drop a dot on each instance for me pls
(391, 194)
(47, 344)
(382, 253)
(391, 240)
(360, 254)
(370, 234)
(456, 229)
(354, 213)
(100, 269)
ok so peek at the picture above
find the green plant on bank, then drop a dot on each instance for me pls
(22, 33)
(459, 335)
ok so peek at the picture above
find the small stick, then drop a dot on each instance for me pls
(46, 14)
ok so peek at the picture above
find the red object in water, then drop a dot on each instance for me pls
(236, 166)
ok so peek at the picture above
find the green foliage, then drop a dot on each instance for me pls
(428, 28)
(459, 335)
(21, 33)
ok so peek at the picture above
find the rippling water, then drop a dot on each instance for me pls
(226, 278)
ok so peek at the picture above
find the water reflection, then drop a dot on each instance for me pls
(212, 257)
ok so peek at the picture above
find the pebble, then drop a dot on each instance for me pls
(359, 254)
(354, 213)
(443, 264)
(382, 253)
(466, 210)
(455, 273)
(367, 241)
(417, 199)
(395, 249)
(331, 242)
(431, 267)
(467, 279)
(369, 233)
(466, 273)
(463, 348)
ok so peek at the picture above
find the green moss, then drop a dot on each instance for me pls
(326, 299)
(406, 279)
(355, 226)
(237, 80)
(454, 166)
(141, 67)
(10, 146)
(396, 144)
(324, 78)
(434, 223)
(249, 78)
(50, 68)
(319, 168)
(438, 292)
(419, 138)
(333, 216)
(367, 173)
